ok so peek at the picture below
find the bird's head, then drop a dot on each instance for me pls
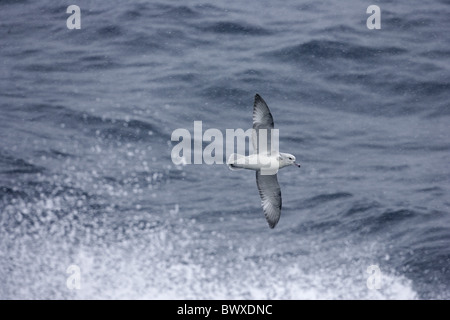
(287, 159)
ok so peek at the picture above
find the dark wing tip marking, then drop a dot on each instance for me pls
(272, 224)
(262, 117)
(270, 193)
(259, 99)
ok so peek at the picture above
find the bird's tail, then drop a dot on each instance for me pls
(233, 163)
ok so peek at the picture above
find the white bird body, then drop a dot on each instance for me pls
(266, 164)
(260, 161)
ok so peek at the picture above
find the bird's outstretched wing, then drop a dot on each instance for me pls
(270, 193)
(262, 119)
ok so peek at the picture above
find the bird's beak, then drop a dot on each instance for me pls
(297, 164)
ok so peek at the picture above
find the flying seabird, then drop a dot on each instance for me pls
(265, 160)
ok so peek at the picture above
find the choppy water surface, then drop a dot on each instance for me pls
(86, 176)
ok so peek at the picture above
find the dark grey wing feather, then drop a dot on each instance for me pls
(262, 119)
(270, 193)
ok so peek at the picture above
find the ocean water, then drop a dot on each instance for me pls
(86, 176)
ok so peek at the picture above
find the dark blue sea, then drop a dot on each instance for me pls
(86, 176)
